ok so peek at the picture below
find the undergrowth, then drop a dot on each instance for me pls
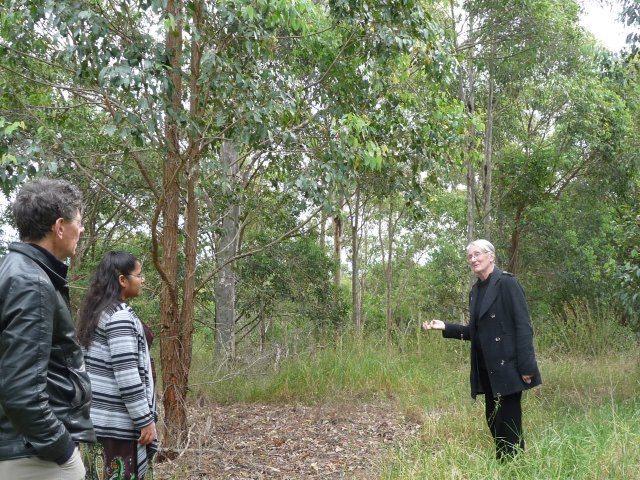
(582, 423)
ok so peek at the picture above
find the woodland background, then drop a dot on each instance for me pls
(297, 173)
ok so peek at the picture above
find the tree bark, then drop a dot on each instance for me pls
(468, 98)
(176, 314)
(515, 241)
(263, 329)
(323, 230)
(388, 278)
(356, 314)
(337, 248)
(171, 348)
(225, 279)
(488, 152)
(190, 245)
(387, 264)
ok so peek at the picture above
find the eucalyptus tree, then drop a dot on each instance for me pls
(383, 111)
(567, 173)
(144, 72)
(336, 71)
(623, 74)
(287, 287)
(158, 86)
(427, 267)
(505, 44)
(631, 16)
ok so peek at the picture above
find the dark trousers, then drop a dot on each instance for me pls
(504, 417)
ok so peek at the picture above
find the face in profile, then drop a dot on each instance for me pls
(69, 235)
(131, 284)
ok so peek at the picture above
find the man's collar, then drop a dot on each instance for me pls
(56, 265)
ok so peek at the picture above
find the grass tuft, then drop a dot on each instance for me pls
(582, 423)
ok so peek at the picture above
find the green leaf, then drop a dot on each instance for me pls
(110, 130)
(13, 127)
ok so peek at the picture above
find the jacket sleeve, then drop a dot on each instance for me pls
(517, 306)
(25, 346)
(454, 330)
(122, 339)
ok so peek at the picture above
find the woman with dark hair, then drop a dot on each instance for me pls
(118, 362)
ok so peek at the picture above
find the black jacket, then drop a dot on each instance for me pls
(505, 335)
(45, 393)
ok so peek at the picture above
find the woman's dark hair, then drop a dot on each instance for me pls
(103, 292)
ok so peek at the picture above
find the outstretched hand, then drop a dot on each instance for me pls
(433, 325)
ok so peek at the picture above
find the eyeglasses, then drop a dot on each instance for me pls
(139, 275)
(476, 255)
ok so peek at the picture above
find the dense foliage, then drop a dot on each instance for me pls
(311, 166)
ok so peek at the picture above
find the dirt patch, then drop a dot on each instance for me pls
(289, 442)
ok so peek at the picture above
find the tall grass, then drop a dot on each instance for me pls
(580, 328)
(348, 367)
(582, 423)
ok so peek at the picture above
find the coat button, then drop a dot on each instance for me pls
(497, 339)
(493, 315)
(501, 362)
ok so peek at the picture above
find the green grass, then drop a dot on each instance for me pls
(345, 367)
(582, 423)
(584, 431)
(600, 443)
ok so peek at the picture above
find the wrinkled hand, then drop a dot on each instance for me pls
(527, 378)
(433, 325)
(148, 434)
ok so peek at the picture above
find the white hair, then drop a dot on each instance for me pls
(484, 245)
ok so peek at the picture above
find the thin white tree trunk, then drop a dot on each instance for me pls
(355, 286)
(487, 170)
(225, 279)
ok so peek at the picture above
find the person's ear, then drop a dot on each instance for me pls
(122, 280)
(58, 228)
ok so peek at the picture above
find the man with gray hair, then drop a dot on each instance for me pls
(45, 392)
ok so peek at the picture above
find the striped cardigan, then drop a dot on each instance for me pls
(119, 366)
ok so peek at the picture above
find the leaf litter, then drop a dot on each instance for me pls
(268, 441)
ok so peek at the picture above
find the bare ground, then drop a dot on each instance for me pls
(258, 441)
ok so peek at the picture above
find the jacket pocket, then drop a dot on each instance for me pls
(66, 385)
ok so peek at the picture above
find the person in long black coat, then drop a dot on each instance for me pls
(503, 361)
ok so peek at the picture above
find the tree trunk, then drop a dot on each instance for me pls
(225, 279)
(361, 290)
(337, 248)
(323, 230)
(468, 98)
(175, 419)
(176, 314)
(388, 276)
(387, 264)
(263, 330)
(515, 241)
(355, 304)
(187, 312)
(488, 154)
